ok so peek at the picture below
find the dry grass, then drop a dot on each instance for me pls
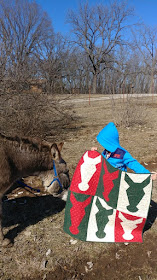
(42, 250)
(36, 115)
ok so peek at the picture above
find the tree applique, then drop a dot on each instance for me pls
(77, 207)
(108, 181)
(135, 192)
(101, 223)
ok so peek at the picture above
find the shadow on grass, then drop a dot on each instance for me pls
(22, 212)
(25, 211)
(152, 215)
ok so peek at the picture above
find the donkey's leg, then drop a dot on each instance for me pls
(5, 183)
(4, 188)
(4, 241)
(1, 233)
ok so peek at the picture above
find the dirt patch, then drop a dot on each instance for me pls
(120, 262)
(35, 221)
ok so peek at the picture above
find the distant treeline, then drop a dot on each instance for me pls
(109, 50)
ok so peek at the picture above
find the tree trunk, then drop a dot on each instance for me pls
(94, 83)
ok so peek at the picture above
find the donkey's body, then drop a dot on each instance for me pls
(21, 157)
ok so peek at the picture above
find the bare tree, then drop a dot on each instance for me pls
(98, 30)
(77, 71)
(145, 40)
(52, 63)
(24, 27)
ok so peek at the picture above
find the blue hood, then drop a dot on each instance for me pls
(108, 137)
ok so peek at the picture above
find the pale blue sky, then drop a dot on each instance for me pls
(57, 10)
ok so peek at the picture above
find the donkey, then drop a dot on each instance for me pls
(22, 157)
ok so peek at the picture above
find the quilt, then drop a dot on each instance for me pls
(106, 204)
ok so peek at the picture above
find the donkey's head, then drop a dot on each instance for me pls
(56, 181)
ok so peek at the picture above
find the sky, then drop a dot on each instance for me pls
(57, 11)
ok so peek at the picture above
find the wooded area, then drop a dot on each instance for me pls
(109, 52)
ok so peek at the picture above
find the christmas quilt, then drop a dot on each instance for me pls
(105, 204)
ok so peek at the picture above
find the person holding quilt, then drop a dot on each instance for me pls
(117, 156)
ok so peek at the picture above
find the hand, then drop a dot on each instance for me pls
(154, 176)
(94, 149)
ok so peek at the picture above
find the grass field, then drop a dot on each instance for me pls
(41, 248)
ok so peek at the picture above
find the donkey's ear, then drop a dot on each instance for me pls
(55, 152)
(60, 145)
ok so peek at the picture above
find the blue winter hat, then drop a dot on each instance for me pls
(108, 137)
